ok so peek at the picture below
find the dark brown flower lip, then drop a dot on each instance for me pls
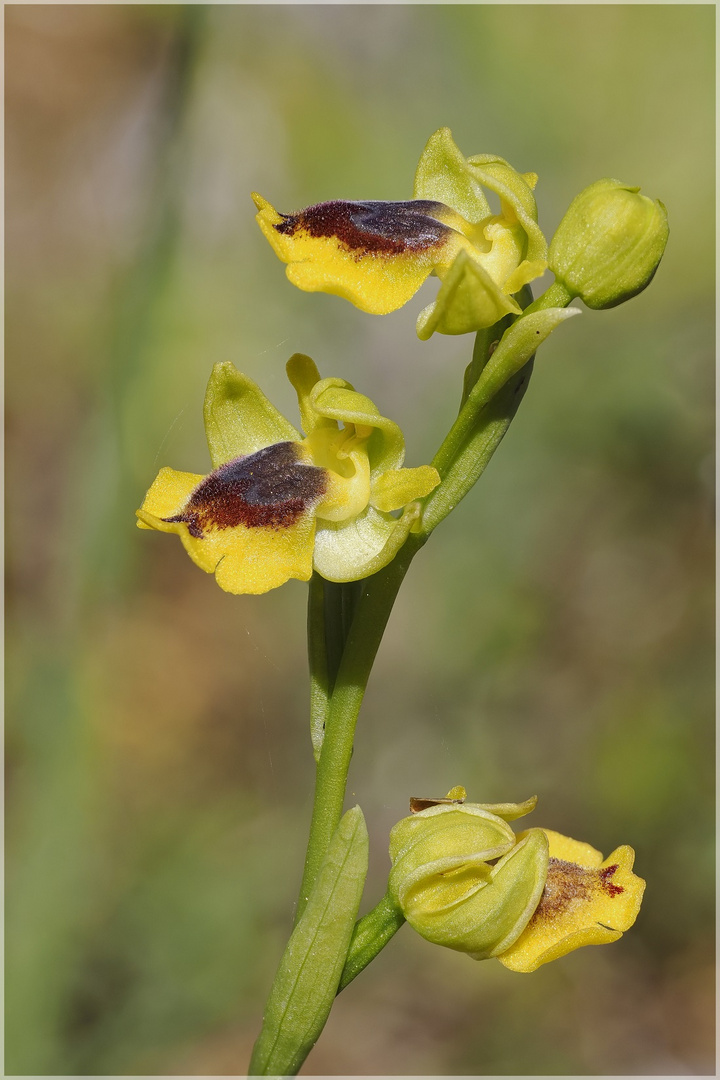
(372, 228)
(270, 489)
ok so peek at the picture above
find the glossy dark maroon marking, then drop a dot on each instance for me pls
(267, 490)
(372, 228)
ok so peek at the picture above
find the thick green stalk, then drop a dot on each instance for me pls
(370, 936)
(331, 609)
(373, 611)
(556, 296)
(320, 681)
(473, 455)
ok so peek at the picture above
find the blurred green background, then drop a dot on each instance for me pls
(555, 637)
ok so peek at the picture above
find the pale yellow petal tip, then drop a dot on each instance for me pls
(142, 522)
(512, 811)
(267, 215)
(261, 203)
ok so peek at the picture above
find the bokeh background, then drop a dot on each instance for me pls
(555, 637)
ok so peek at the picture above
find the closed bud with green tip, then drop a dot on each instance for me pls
(609, 244)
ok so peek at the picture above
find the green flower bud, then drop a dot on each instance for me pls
(462, 879)
(609, 244)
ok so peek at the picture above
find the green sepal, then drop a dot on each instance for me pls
(309, 973)
(468, 300)
(442, 175)
(506, 906)
(239, 419)
(509, 811)
(303, 374)
(462, 901)
(447, 832)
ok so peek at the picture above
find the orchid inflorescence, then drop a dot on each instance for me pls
(334, 505)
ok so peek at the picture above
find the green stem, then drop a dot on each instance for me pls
(370, 936)
(556, 296)
(320, 680)
(373, 611)
(473, 455)
(482, 350)
(331, 609)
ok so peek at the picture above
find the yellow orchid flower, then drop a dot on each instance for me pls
(378, 254)
(464, 879)
(587, 900)
(277, 504)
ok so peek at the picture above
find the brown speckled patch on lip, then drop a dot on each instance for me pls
(270, 489)
(567, 883)
(372, 228)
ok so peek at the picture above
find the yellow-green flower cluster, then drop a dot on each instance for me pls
(464, 879)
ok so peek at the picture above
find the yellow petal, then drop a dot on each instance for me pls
(253, 560)
(169, 492)
(586, 901)
(523, 275)
(304, 375)
(395, 488)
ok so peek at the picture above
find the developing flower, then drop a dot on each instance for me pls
(277, 504)
(609, 244)
(378, 254)
(465, 880)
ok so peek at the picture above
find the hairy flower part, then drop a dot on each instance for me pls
(587, 900)
(465, 880)
(378, 254)
(277, 505)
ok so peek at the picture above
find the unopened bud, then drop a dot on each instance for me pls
(609, 244)
(463, 880)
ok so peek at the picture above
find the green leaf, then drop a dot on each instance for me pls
(239, 419)
(309, 973)
(517, 345)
